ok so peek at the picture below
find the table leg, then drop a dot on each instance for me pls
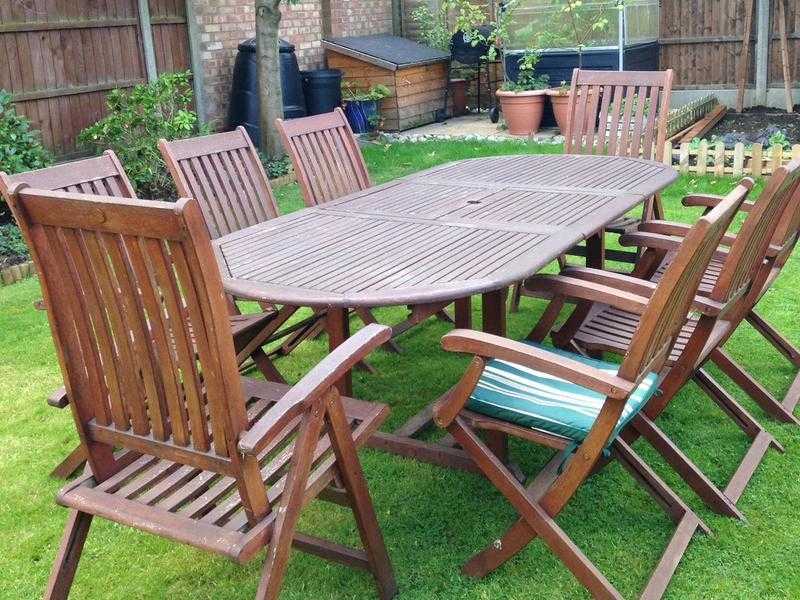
(494, 321)
(338, 325)
(494, 311)
(464, 313)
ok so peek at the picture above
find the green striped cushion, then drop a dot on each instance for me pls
(536, 400)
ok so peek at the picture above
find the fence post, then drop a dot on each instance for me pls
(738, 159)
(667, 158)
(719, 159)
(198, 76)
(683, 159)
(758, 162)
(702, 158)
(146, 29)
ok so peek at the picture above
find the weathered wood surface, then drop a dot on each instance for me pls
(453, 231)
(59, 59)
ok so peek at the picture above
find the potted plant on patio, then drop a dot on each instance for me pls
(361, 106)
(522, 101)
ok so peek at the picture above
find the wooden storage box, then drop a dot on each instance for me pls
(416, 75)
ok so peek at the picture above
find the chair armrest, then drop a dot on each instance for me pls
(493, 346)
(710, 201)
(571, 287)
(641, 287)
(311, 387)
(58, 399)
(678, 230)
(657, 241)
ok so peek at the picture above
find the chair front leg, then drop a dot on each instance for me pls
(69, 553)
(537, 519)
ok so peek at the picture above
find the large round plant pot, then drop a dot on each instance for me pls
(522, 110)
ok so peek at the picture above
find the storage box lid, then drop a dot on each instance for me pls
(386, 51)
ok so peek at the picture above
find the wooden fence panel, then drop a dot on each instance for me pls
(793, 33)
(59, 59)
(702, 41)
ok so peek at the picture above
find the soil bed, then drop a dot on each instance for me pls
(755, 124)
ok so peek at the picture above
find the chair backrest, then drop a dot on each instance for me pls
(787, 233)
(619, 113)
(101, 175)
(746, 255)
(223, 172)
(665, 315)
(137, 312)
(326, 157)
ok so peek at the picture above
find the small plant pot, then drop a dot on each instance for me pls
(559, 100)
(522, 110)
(458, 89)
(361, 114)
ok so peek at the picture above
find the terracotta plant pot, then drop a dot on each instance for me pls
(458, 88)
(522, 110)
(559, 100)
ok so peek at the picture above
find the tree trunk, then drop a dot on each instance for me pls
(268, 19)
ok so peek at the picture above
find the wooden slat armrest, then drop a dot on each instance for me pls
(657, 241)
(620, 281)
(311, 387)
(678, 230)
(493, 346)
(572, 287)
(634, 285)
(58, 399)
(710, 201)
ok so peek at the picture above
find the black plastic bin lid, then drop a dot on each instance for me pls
(250, 46)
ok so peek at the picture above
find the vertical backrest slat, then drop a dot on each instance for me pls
(632, 107)
(223, 172)
(326, 157)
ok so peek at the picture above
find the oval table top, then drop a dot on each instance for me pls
(453, 231)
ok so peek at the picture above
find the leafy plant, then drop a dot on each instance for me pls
(136, 120)
(375, 93)
(275, 167)
(12, 247)
(527, 79)
(432, 27)
(779, 139)
(20, 147)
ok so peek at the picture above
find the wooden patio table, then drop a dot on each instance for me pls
(433, 238)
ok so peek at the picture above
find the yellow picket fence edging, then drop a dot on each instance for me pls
(714, 159)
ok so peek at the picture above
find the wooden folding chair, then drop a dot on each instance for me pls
(578, 406)
(224, 174)
(178, 444)
(104, 175)
(617, 113)
(783, 244)
(328, 164)
(740, 266)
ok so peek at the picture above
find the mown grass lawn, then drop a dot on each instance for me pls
(432, 519)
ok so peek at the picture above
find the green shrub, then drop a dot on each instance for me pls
(136, 120)
(275, 167)
(12, 247)
(20, 147)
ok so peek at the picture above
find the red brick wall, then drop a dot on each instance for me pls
(222, 24)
